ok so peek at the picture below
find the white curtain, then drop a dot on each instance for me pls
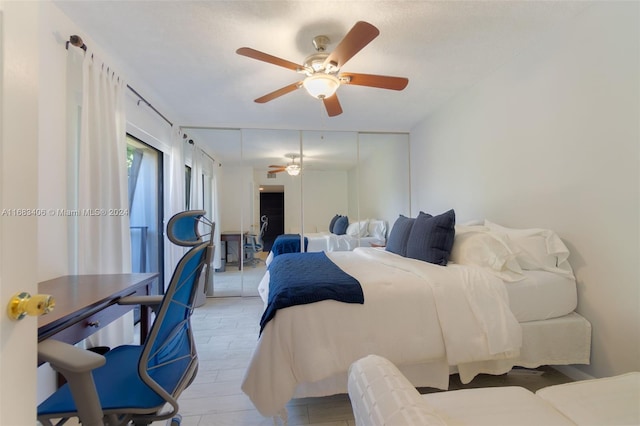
(209, 168)
(103, 224)
(196, 201)
(215, 217)
(103, 239)
(176, 202)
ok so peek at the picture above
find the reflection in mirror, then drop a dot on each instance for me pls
(227, 207)
(384, 182)
(271, 153)
(258, 195)
(329, 175)
(274, 194)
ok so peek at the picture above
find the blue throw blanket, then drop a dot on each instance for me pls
(288, 243)
(301, 278)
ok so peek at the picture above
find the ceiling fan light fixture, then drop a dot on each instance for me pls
(293, 169)
(321, 85)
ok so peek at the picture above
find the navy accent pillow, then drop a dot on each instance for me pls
(397, 241)
(333, 222)
(431, 238)
(341, 225)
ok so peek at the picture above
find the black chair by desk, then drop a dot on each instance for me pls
(137, 383)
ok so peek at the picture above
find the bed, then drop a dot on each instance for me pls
(363, 233)
(482, 313)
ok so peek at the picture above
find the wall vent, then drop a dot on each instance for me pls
(271, 175)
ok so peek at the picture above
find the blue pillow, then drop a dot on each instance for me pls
(397, 241)
(341, 225)
(431, 238)
(333, 222)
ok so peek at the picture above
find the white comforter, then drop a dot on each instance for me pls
(413, 312)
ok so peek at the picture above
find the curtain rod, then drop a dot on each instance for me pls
(77, 41)
(191, 142)
(149, 105)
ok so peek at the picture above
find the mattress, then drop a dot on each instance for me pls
(542, 295)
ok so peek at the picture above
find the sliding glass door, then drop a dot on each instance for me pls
(145, 207)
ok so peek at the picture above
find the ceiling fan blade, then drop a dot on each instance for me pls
(358, 37)
(379, 81)
(277, 93)
(276, 171)
(277, 167)
(265, 57)
(332, 104)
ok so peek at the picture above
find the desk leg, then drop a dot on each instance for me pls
(144, 323)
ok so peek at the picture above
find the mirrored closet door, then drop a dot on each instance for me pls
(274, 194)
(266, 183)
(227, 206)
(329, 183)
(384, 189)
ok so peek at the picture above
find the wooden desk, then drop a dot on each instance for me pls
(229, 236)
(87, 303)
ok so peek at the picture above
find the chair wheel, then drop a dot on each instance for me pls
(176, 420)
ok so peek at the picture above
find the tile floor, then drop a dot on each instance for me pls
(226, 330)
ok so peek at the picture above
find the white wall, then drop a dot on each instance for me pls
(325, 194)
(235, 195)
(551, 140)
(53, 256)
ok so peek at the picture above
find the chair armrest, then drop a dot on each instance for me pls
(381, 395)
(69, 358)
(76, 365)
(141, 300)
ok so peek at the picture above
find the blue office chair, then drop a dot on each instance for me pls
(137, 383)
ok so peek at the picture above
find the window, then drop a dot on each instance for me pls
(187, 187)
(145, 207)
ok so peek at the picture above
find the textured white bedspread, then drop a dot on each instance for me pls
(413, 312)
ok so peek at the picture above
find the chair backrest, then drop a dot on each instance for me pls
(182, 228)
(263, 228)
(265, 224)
(169, 357)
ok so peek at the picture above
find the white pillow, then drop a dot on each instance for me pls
(358, 229)
(476, 246)
(378, 229)
(535, 248)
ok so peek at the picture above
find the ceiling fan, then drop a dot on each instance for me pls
(292, 168)
(322, 69)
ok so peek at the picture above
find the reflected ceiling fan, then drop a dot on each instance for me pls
(322, 69)
(292, 168)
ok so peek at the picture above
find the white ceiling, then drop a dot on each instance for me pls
(185, 52)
